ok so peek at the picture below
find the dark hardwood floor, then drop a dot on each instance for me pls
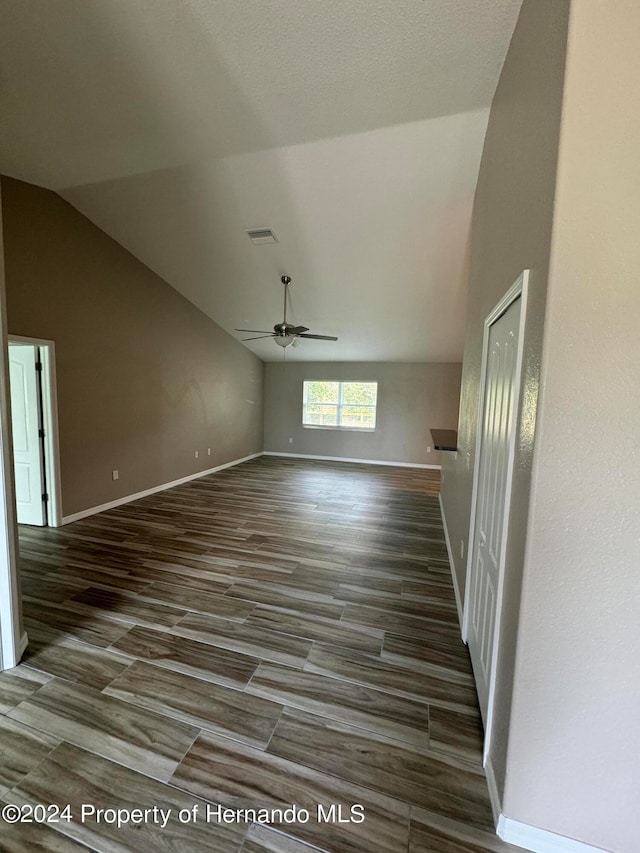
(280, 633)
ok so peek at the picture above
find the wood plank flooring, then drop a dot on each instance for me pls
(280, 633)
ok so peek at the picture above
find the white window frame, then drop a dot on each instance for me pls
(340, 404)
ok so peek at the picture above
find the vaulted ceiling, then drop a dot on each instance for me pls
(352, 128)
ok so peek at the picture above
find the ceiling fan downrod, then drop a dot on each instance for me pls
(286, 280)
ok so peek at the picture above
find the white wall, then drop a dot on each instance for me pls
(574, 746)
(412, 398)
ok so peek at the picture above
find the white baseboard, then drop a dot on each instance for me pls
(494, 796)
(526, 836)
(540, 840)
(11, 661)
(350, 459)
(454, 576)
(94, 510)
(24, 642)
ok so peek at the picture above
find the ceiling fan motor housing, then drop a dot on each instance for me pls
(283, 329)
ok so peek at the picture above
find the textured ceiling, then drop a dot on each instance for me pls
(353, 129)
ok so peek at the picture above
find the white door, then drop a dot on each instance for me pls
(27, 445)
(494, 484)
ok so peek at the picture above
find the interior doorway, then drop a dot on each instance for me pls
(35, 431)
(491, 497)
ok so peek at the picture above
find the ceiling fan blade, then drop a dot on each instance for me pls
(257, 331)
(319, 337)
(298, 330)
(259, 338)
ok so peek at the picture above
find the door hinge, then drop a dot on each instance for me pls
(45, 497)
(39, 366)
(40, 433)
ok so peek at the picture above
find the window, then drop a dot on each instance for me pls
(340, 405)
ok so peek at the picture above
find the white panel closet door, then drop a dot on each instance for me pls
(491, 507)
(27, 446)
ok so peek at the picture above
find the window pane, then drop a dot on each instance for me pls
(317, 415)
(321, 392)
(348, 405)
(360, 393)
(357, 416)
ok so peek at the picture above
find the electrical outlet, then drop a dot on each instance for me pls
(115, 474)
(196, 454)
(290, 441)
(429, 449)
(208, 451)
(462, 549)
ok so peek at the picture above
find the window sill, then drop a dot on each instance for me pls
(339, 428)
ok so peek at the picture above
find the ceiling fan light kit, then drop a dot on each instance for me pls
(284, 340)
(285, 334)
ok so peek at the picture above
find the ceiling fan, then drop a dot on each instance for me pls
(284, 334)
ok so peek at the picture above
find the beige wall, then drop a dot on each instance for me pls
(144, 378)
(574, 751)
(563, 197)
(411, 399)
(511, 231)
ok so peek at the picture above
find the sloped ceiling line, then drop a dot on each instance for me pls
(353, 130)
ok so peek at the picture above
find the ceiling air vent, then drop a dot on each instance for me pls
(258, 236)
